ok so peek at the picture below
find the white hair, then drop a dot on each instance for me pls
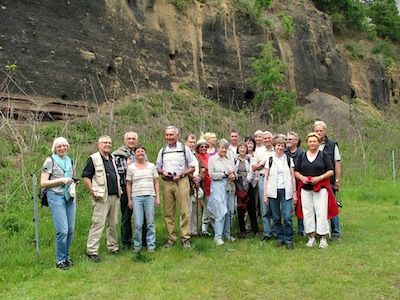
(57, 142)
(258, 132)
(172, 127)
(129, 132)
(268, 133)
(104, 137)
(320, 123)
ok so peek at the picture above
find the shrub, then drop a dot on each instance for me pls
(386, 17)
(288, 24)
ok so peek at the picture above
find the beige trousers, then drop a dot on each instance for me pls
(102, 212)
(176, 193)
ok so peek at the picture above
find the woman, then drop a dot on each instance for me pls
(57, 179)
(315, 196)
(279, 187)
(211, 139)
(220, 205)
(251, 146)
(202, 157)
(245, 191)
(143, 194)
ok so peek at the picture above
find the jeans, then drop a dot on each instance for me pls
(282, 209)
(64, 213)
(335, 227)
(265, 210)
(144, 205)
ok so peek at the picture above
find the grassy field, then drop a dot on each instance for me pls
(363, 264)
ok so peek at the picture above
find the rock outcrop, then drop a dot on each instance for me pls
(100, 50)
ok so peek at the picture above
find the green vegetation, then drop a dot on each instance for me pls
(375, 17)
(268, 78)
(361, 265)
(288, 24)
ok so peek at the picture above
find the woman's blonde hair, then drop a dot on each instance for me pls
(313, 134)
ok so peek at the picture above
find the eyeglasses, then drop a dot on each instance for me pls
(203, 147)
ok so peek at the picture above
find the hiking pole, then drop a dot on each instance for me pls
(36, 214)
(197, 212)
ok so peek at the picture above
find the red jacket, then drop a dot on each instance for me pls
(333, 209)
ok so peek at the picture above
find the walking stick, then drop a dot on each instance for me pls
(36, 214)
(197, 211)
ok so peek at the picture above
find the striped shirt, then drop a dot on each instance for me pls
(142, 179)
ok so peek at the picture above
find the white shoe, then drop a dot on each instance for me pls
(311, 242)
(323, 243)
(219, 242)
(230, 239)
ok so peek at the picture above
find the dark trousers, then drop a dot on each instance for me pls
(251, 209)
(126, 222)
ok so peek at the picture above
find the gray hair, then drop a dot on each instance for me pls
(294, 134)
(172, 127)
(223, 142)
(57, 142)
(104, 137)
(134, 133)
(320, 123)
(258, 132)
(268, 133)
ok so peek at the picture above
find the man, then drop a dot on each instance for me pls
(190, 142)
(261, 156)
(292, 150)
(102, 181)
(331, 148)
(123, 157)
(175, 162)
(232, 149)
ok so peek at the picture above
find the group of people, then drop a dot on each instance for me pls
(265, 175)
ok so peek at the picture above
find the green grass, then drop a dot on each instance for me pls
(365, 263)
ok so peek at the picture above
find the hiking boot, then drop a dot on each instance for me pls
(205, 233)
(289, 246)
(323, 243)
(186, 244)
(69, 262)
(168, 245)
(218, 242)
(62, 265)
(94, 258)
(311, 242)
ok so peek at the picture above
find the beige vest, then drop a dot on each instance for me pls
(99, 180)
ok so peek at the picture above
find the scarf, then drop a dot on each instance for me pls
(66, 166)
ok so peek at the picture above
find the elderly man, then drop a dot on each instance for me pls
(123, 157)
(261, 156)
(331, 148)
(190, 142)
(101, 179)
(175, 162)
(292, 150)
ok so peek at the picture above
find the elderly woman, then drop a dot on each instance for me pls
(143, 194)
(279, 187)
(202, 157)
(245, 191)
(211, 139)
(57, 179)
(317, 203)
(222, 175)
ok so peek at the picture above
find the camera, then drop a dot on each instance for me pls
(76, 180)
(171, 174)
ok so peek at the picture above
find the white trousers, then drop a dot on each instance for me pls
(315, 211)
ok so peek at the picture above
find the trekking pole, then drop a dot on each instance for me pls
(197, 212)
(36, 214)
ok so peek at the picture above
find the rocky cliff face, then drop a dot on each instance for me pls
(101, 50)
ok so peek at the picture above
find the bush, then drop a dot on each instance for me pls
(386, 17)
(288, 24)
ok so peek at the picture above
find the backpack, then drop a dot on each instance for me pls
(270, 161)
(183, 150)
(43, 191)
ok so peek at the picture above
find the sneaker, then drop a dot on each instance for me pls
(323, 243)
(266, 238)
(311, 242)
(335, 238)
(205, 233)
(115, 252)
(62, 265)
(168, 245)
(70, 262)
(94, 258)
(230, 239)
(289, 246)
(186, 244)
(136, 250)
(151, 250)
(218, 242)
